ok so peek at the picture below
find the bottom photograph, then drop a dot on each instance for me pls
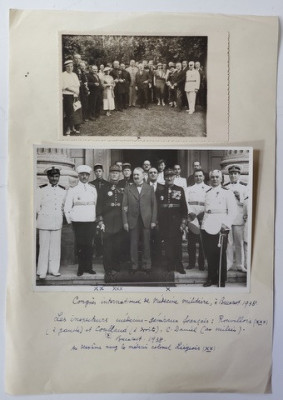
(132, 218)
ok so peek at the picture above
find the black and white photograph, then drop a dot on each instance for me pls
(134, 218)
(135, 85)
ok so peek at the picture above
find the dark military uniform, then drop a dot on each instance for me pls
(99, 185)
(172, 211)
(123, 183)
(109, 211)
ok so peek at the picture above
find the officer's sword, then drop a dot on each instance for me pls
(220, 244)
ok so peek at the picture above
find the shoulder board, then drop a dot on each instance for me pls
(243, 183)
(226, 184)
(42, 186)
(225, 188)
(90, 184)
(208, 190)
(62, 187)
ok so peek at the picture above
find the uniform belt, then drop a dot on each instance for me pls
(115, 204)
(196, 203)
(84, 203)
(170, 205)
(216, 211)
(191, 81)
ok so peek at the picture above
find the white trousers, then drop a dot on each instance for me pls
(49, 252)
(191, 97)
(235, 247)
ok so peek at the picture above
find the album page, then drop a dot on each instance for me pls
(140, 221)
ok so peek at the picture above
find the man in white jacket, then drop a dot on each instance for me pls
(235, 247)
(195, 196)
(192, 86)
(80, 210)
(220, 209)
(50, 199)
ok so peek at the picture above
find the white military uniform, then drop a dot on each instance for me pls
(220, 208)
(80, 205)
(235, 248)
(179, 181)
(192, 84)
(195, 196)
(49, 208)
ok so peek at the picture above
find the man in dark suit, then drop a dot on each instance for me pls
(95, 96)
(109, 216)
(178, 81)
(172, 216)
(139, 213)
(142, 85)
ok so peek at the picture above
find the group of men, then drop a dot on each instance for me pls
(178, 84)
(142, 216)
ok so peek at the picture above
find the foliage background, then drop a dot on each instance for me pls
(98, 49)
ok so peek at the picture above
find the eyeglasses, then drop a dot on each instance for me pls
(153, 172)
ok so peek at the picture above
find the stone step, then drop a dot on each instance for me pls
(140, 278)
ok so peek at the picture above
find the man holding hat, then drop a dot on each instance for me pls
(71, 89)
(235, 247)
(80, 210)
(50, 199)
(220, 209)
(172, 217)
(195, 196)
(109, 216)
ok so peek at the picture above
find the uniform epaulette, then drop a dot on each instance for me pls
(225, 188)
(226, 184)
(208, 190)
(90, 184)
(243, 183)
(42, 186)
(62, 187)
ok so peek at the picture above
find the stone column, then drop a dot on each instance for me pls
(47, 156)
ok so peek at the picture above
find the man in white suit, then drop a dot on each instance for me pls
(50, 199)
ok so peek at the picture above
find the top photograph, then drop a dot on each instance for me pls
(135, 86)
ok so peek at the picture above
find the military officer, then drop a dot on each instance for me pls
(235, 247)
(195, 196)
(127, 173)
(50, 199)
(179, 181)
(192, 86)
(80, 210)
(109, 215)
(172, 216)
(220, 209)
(99, 184)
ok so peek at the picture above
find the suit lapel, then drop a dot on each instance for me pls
(144, 189)
(133, 189)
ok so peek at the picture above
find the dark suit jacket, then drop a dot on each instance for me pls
(135, 205)
(92, 79)
(141, 78)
